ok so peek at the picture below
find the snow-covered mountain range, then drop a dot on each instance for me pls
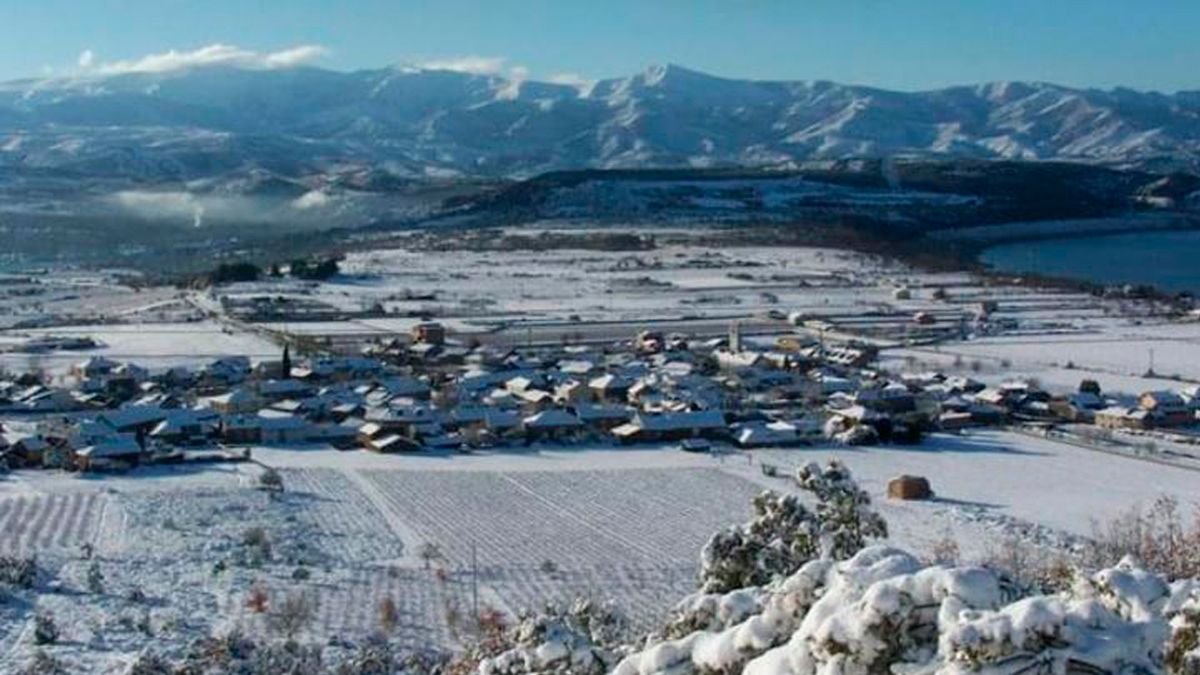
(367, 129)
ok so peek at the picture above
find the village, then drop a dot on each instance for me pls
(459, 432)
(431, 393)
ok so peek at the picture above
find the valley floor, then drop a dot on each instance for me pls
(506, 530)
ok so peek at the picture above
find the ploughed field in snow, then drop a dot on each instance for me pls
(515, 529)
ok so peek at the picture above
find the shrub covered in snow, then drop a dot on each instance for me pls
(883, 611)
(271, 480)
(785, 534)
(581, 640)
(45, 630)
(18, 572)
(796, 591)
(42, 663)
(843, 509)
(1183, 649)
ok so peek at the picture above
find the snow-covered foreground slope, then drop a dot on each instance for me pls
(527, 527)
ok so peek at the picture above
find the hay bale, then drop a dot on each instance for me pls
(909, 487)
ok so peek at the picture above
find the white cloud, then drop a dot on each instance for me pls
(295, 56)
(576, 80)
(209, 55)
(476, 65)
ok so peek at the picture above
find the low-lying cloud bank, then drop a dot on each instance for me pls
(217, 54)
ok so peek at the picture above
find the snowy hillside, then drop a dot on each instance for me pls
(409, 122)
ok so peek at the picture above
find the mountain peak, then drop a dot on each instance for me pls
(453, 116)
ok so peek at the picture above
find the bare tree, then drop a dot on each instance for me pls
(389, 616)
(296, 611)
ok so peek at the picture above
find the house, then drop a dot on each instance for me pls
(228, 370)
(739, 360)
(277, 390)
(672, 426)
(42, 399)
(114, 452)
(571, 392)
(577, 367)
(495, 420)
(759, 434)
(601, 417)
(533, 400)
(238, 401)
(133, 419)
(340, 436)
(283, 429)
(429, 332)
(554, 423)
(408, 387)
(186, 428)
(893, 398)
(27, 450)
(1121, 417)
(1080, 406)
(95, 368)
(240, 429)
(402, 420)
(1166, 408)
(375, 438)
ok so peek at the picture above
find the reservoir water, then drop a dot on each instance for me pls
(1169, 260)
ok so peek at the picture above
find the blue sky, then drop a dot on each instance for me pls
(902, 44)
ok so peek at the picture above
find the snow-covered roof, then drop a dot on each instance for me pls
(551, 419)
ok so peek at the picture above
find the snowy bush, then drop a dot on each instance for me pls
(43, 664)
(713, 611)
(18, 572)
(883, 611)
(1183, 649)
(731, 629)
(843, 509)
(271, 480)
(785, 534)
(372, 658)
(257, 545)
(233, 652)
(95, 579)
(45, 630)
(581, 640)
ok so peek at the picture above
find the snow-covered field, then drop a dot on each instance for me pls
(522, 528)
(150, 345)
(1055, 336)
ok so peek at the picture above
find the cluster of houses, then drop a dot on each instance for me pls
(428, 393)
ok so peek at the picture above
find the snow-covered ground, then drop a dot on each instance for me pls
(528, 526)
(150, 345)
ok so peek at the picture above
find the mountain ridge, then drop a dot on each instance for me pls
(305, 122)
